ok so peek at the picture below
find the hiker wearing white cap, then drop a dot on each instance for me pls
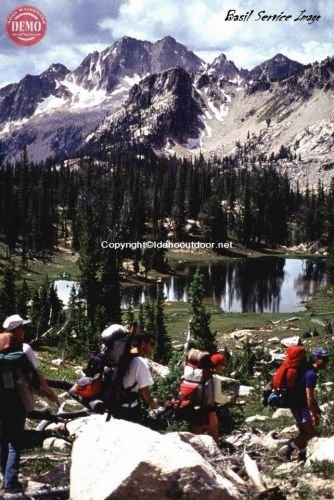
(14, 321)
(15, 324)
(18, 375)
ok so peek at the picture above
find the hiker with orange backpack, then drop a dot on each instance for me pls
(301, 399)
(117, 378)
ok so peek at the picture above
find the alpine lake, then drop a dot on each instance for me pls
(261, 285)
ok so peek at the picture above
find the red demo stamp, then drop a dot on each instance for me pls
(26, 25)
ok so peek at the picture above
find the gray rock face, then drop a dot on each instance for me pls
(222, 68)
(76, 93)
(168, 53)
(20, 100)
(278, 67)
(129, 57)
(121, 460)
(162, 105)
(176, 105)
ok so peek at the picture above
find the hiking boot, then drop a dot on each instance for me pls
(16, 487)
(302, 455)
(285, 452)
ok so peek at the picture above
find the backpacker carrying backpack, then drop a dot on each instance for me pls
(285, 380)
(17, 376)
(197, 385)
(105, 371)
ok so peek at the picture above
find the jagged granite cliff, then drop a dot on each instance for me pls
(163, 95)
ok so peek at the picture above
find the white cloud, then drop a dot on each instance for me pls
(207, 55)
(202, 27)
(78, 27)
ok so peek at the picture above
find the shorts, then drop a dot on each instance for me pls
(302, 415)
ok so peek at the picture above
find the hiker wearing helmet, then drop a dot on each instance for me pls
(307, 413)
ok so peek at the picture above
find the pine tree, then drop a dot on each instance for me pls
(202, 337)
(8, 290)
(246, 229)
(213, 221)
(89, 258)
(141, 317)
(41, 307)
(149, 315)
(110, 288)
(56, 307)
(23, 297)
(178, 211)
(163, 347)
(35, 307)
(130, 314)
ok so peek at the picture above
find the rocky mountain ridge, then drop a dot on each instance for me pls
(163, 95)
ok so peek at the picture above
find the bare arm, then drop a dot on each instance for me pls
(313, 405)
(146, 396)
(45, 389)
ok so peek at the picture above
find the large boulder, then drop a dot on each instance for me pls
(282, 413)
(121, 460)
(53, 443)
(204, 444)
(320, 450)
(256, 418)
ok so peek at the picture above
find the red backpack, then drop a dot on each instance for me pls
(196, 385)
(291, 369)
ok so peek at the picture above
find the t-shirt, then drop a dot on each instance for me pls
(139, 374)
(30, 355)
(310, 378)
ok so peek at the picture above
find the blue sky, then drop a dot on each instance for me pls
(78, 27)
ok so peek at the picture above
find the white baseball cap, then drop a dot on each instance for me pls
(14, 321)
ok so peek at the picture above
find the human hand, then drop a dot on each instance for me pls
(315, 419)
(52, 396)
(233, 399)
(156, 411)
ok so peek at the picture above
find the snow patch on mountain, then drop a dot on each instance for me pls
(81, 97)
(50, 104)
(11, 126)
(220, 112)
(129, 81)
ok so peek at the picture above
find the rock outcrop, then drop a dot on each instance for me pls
(121, 460)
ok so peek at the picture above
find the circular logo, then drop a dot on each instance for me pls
(26, 25)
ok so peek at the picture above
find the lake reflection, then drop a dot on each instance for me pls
(268, 284)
